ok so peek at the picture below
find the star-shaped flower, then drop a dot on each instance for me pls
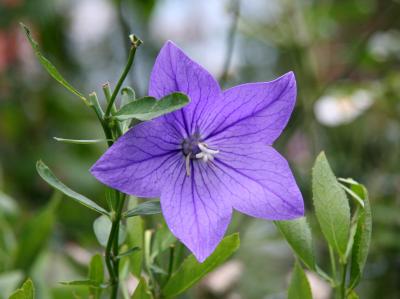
(210, 157)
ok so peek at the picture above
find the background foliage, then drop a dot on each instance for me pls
(346, 57)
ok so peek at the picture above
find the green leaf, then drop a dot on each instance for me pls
(50, 68)
(141, 291)
(299, 287)
(148, 108)
(191, 271)
(146, 208)
(96, 274)
(362, 238)
(102, 228)
(26, 292)
(353, 295)
(298, 234)
(35, 235)
(331, 205)
(81, 141)
(52, 180)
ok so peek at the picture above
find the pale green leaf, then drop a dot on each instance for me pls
(297, 232)
(102, 228)
(191, 271)
(148, 108)
(52, 180)
(81, 141)
(331, 205)
(50, 68)
(299, 287)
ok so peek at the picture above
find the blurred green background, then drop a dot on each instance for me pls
(346, 57)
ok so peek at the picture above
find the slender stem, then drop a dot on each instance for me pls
(333, 263)
(135, 43)
(343, 282)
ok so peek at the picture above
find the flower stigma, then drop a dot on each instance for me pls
(194, 148)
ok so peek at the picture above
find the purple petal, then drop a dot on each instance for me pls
(140, 160)
(195, 210)
(258, 182)
(174, 71)
(254, 111)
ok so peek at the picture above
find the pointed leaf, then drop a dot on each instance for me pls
(26, 292)
(128, 252)
(191, 271)
(52, 180)
(96, 274)
(86, 282)
(102, 228)
(81, 141)
(299, 287)
(148, 108)
(362, 237)
(141, 291)
(298, 234)
(50, 68)
(331, 205)
(145, 208)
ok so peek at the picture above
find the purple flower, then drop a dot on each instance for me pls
(211, 157)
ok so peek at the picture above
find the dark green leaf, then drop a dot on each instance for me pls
(141, 291)
(148, 108)
(96, 274)
(145, 208)
(299, 287)
(362, 237)
(26, 292)
(52, 180)
(192, 271)
(298, 234)
(50, 68)
(81, 141)
(102, 228)
(35, 234)
(331, 205)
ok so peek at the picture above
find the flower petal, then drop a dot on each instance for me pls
(254, 111)
(138, 161)
(174, 71)
(195, 210)
(258, 181)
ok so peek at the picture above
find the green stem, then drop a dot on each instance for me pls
(135, 43)
(333, 263)
(343, 282)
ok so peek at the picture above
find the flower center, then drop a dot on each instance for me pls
(195, 148)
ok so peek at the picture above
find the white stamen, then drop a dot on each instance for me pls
(206, 153)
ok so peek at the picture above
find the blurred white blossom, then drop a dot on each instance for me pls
(335, 110)
(385, 44)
